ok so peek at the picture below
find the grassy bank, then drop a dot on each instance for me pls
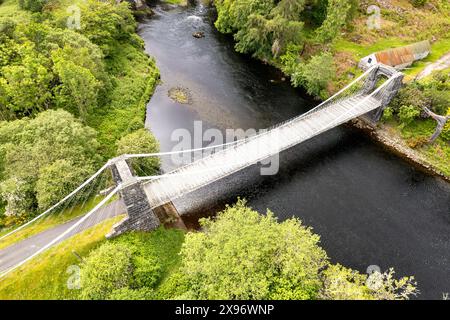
(46, 276)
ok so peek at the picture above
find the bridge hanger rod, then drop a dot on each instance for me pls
(59, 202)
(142, 155)
(62, 235)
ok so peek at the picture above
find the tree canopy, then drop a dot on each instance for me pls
(44, 159)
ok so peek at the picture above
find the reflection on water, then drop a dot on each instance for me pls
(369, 207)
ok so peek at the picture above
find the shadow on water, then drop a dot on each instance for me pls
(370, 207)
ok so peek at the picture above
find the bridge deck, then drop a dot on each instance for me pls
(223, 163)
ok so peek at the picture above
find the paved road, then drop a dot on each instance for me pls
(17, 252)
(441, 64)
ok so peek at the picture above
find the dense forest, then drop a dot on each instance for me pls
(67, 96)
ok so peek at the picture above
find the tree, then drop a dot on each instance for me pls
(53, 146)
(106, 21)
(138, 142)
(342, 283)
(78, 90)
(244, 255)
(27, 85)
(337, 16)
(58, 179)
(241, 254)
(315, 74)
(407, 114)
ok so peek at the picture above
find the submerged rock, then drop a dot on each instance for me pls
(198, 34)
(180, 95)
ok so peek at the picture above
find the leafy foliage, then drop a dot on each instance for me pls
(138, 142)
(105, 270)
(43, 158)
(337, 16)
(244, 255)
(144, 257)
(341, 283)
(315, 75)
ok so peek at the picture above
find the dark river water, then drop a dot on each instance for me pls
(370, 207)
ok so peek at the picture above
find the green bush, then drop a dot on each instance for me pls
(388, 114)
(54, 147)
(140, 141)
(106, 269)
(244, 255)
(407, 114)
(132, 294)
(315, 75)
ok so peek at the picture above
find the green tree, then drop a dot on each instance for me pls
(78, 90)
(245, 255)
(105, 270)
(138, 142)
(342, 283)
(315, 75)
(27, 86)
(58, 179)
(338, 12)
(54, 145)
(105, 22)
(407, 114)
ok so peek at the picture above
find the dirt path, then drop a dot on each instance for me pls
(441, 64)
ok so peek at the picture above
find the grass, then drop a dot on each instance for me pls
(416, 136)
(46, 276)
(438, 154)
(135, 77)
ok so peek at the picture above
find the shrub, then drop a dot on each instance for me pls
(105, 270)
(132, 294)
(175, 287)
(245, 255)
(146, 267)
(388, 114)
(407, 114)
(58, 180)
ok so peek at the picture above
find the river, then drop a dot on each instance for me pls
(369, 206)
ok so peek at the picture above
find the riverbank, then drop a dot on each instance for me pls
(391, 141)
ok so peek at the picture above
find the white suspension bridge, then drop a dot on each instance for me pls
(141, 196)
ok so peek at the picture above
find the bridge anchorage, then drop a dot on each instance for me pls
(149, 199)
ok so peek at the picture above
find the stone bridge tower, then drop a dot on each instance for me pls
(387, 93)
(140, 215)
